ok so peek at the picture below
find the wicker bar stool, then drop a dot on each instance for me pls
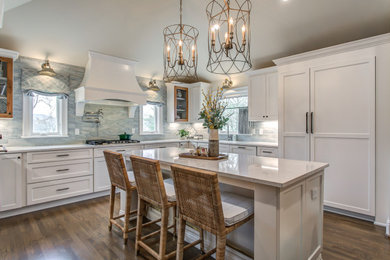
(123, 180)
(201, 204)
(152, 190)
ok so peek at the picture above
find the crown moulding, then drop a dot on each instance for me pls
(344, 47)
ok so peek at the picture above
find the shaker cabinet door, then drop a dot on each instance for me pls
(10, 182)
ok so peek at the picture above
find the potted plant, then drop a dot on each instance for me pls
(212, 113)
(183, 133)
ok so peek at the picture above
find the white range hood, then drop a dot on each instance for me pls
(110, 81)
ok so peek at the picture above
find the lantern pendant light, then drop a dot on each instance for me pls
(229, 36)
(180, 52)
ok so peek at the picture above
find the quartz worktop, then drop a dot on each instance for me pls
(25, 149)
(274, 172)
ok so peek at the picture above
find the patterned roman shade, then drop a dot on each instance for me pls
(33, 82)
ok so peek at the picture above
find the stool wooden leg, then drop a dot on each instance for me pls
(175, 221)
(138, 231)
(164, 232)
(180, 239)
(201, 237)
(221, 247)
(127, 217)
(112, 204)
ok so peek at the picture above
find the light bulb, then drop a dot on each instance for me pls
(231, 20)
(180, 43)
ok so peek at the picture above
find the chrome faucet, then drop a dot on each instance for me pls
(229, 136)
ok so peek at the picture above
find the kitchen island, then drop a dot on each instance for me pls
(288, 199)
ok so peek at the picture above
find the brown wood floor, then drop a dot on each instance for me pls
(79, 231)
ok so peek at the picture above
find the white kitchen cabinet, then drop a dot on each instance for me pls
(263, 95)
(224, 148)
(101, 177)
(240, 149)
(195, 100)
(328, 115)
(58, 189)
(267, 152)
(160, 145)
(11, 185)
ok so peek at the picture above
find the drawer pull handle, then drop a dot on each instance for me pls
(62, 155)
(267, 152)
(118, 151)
(241, 147)
(62, 170)
(63, 189)
(162, 147)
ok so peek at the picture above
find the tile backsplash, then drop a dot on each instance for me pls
(115, 121)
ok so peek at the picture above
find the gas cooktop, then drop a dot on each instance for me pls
(105, 142)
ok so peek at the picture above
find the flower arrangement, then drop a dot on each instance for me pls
(213, 109)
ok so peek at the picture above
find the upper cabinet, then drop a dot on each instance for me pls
(263, 95)
(184, 101)
(181, 104)
(6, 82)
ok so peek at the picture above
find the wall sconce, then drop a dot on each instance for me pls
(227, 84)
(153, 85)
(46, 69)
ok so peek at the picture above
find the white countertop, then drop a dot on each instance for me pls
(25, 149)
(268, 171)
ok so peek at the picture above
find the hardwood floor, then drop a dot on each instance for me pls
(79, 231)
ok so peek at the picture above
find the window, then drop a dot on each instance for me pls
(45, 115)
(237, 111)
(150, 119)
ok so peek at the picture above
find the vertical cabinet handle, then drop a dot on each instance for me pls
(307, 127)
(311, 122)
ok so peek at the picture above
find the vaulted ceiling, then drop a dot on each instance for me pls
(64, 30)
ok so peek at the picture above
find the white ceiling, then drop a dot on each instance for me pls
(65, 30)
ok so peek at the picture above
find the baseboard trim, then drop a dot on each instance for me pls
(52, 204)
(350, 214)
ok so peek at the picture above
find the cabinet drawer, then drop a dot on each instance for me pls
(162, 145)
(119, 149)
(267, 152)
(58, 170)
(54, 156)
(61, 189)
(250, 150)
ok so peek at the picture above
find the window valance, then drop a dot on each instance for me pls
(32, 81)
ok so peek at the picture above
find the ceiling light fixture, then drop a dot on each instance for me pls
(180, 52)
(153, 85)
(46, 69)
(229, 36)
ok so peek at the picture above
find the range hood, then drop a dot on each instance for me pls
(110, 81)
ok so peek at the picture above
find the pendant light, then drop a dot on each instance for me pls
(180, 52)
(229, 36)
(47, 69)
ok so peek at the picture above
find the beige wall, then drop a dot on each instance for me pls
(382, 133)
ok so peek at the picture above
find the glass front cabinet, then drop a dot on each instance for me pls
(6, 85)
(181, 104)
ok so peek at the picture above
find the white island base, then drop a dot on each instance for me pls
(288, 203)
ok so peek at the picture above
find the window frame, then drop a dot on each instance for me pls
(227, 97)
(158, 120)
(62, 118)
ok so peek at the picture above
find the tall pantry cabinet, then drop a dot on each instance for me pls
(327, 114)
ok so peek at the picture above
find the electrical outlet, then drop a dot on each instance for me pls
(133, 130)
(261, 131)
(77, 131)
